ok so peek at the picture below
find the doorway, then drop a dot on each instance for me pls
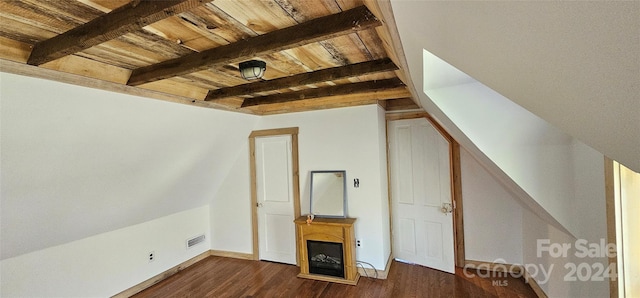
(425, 193)
(275, 195)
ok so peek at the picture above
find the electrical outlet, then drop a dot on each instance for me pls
(152, 256)
(358, 243)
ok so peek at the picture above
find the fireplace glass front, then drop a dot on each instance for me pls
(325, 258)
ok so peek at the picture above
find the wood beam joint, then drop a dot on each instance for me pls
(344, 89)
(125, 19)
(329, 74)
(353, 20)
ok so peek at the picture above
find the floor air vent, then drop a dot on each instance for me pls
(194, 241)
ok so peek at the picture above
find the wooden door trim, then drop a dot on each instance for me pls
(610, 197)
(295, 173)
(456, 182)
(456, 192)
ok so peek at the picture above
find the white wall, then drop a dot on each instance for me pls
(78, 162)
(106, 264)
(93, 180)
(492, 216)
(589, 212)
(554, 61)
(498, 227)
(531, 152)
(385, 229)
(231, 208)
(562, 175)
(350, 139)
(561, 179)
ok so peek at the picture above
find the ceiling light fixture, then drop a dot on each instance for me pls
(253, 69)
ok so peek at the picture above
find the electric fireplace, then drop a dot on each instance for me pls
(326, 249)
(325, 258)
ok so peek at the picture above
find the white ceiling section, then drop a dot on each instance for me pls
(574, 64)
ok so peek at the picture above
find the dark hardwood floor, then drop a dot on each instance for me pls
(227, 277)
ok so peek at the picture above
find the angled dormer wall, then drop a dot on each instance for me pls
(574, 64)
(513, 48)
(92, 181)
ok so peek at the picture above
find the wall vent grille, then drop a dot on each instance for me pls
(195, 241)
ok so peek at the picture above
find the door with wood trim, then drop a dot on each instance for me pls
(421, 196)
(275, 199)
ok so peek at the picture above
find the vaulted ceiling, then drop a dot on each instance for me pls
(319, 54)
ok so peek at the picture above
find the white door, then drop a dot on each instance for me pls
(274, 184)
(421, 195)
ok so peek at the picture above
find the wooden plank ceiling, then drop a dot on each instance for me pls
(320, 54)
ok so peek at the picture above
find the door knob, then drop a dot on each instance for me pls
(259, 204)
(447, 208)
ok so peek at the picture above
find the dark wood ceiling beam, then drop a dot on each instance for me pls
(353, 20)
(343, 89)
(125, 19)
(329, 74)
